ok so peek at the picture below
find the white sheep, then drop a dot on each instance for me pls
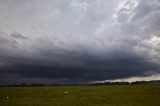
(65, 92)
(7, 97)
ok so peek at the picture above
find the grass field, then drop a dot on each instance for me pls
(100, 95)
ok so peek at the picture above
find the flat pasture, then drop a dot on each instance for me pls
(97, 95)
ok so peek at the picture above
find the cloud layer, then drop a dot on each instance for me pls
(77, 41)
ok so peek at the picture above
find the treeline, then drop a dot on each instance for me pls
(37, 85)
(22, 85)
(104, 83)
(126, 83)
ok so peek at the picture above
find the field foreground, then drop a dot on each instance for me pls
(100, 95)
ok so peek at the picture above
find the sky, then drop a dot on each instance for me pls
(79, 41)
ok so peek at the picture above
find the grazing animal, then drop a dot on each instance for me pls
(7, 97)
(65, 92)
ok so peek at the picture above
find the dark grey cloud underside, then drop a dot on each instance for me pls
(91, 68)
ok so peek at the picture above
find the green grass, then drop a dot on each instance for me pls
(100, 95)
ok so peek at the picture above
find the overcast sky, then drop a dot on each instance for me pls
(78, 41)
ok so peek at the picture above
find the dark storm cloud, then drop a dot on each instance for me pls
(89, 68)
(79, 41)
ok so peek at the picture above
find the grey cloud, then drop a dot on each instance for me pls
(89, 68)
(18, 36)
(78, 41)
(142, 10)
